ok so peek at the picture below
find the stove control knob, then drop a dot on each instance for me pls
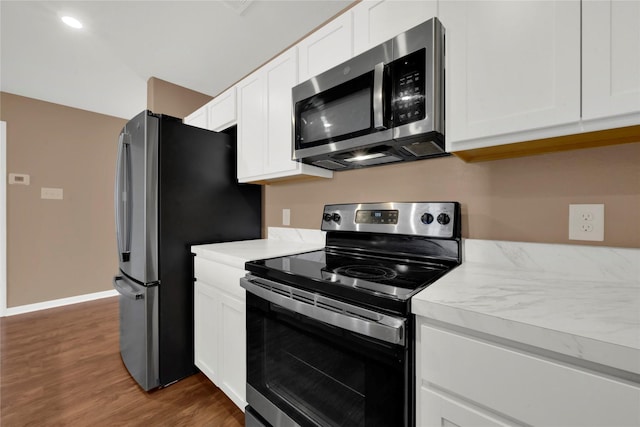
(426, 218)
(444, 219)
(336, 217)
(326, 217)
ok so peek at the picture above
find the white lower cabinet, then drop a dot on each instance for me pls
(463, 381)
(219, 327)
(438, 409)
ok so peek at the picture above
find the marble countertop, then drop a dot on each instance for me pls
(579, 301)
(280, 241)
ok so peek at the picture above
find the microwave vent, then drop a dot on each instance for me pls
(421, 149)
(329, 164)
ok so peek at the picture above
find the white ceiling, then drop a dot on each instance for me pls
(104, 67)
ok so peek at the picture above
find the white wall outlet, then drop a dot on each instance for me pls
(51, 193)
(586, 222)
(286, 216)
(19, 178)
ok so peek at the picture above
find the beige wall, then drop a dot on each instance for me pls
(64, 248)
(525, 199)
(177, 101)
(59, 248)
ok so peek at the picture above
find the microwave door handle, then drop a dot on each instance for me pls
(378, 104)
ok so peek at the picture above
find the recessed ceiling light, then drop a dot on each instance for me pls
(71, 21)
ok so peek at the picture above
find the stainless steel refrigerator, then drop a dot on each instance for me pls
(175, 186)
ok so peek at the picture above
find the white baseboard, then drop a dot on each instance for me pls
(21, 309)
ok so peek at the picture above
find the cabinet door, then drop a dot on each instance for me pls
(251, 125)
(222, 110)
(281, 76)
(437, 410)
(611, 60)
(522, 386)
(264, 123)
(205, 324)
(327, 47)
(511, 67)
(198, 118)
(232, 348)
(376, 21)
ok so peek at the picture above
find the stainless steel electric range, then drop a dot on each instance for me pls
(330, 335)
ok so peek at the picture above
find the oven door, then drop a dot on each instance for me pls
(310, 372)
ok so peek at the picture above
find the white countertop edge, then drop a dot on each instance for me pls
(591, 350)
(236, 254)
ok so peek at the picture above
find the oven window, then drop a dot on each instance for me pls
(301, 370)
(321, 375)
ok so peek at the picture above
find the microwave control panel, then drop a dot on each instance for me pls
(408, 95)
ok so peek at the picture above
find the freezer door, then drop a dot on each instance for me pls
(139, 330)
(136, 198)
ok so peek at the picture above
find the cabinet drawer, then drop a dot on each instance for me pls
(222, 276)
(524, 387)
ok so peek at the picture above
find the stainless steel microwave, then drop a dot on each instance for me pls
(383, 106)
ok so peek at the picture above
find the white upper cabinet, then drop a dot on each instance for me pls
(198, 118)
(512, 71)
(222, 110)
(264, 123)
(251, 125)
(376, 21)
(281, 75)
(611, 63)
(217, 114)
(327, 47)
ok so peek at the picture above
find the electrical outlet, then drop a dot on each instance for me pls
(586, 222)
(286, 216)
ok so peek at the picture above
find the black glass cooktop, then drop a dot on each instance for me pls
(358, 277)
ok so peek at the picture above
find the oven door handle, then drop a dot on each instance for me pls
(327, 310)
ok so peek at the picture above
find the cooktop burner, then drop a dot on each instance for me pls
(367, 272)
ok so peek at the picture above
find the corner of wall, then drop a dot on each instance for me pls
(168, 98)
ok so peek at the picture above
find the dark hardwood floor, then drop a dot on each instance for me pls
(62, 367)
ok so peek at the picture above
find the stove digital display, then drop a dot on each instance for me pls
(377, 217)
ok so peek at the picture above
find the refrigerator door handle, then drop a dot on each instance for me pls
(122, 198)
(125, 290)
